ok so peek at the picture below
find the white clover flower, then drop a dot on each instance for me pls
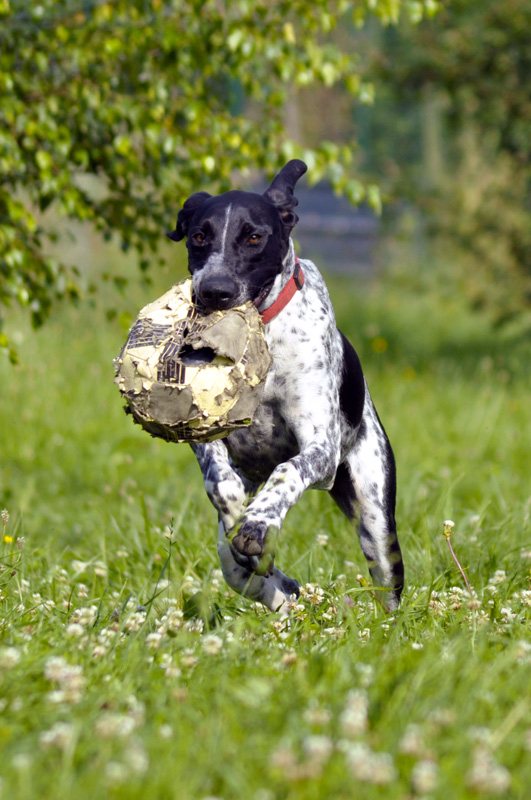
(330, 613)
(368, 766)
(425, 776)
(57, 696)
(313, 593)
(365, 634)
(154, 640)
(112, 725)
(136, 757)
(188, 658)
(212, 644)
(499, 577)
(135, 621)
(317, 715)
(322, 539)
(174, 619)
(448, 526)
(438, 607)
(106, 636)
(54, 668)
(194, 625)
(479, 733)
(86, 615)
(354, 718)
(74, 629)
(69, 678)
(165, 731)
(412, 742)
(100, 569)
(284, 760)
(21, 761)
(288, 658)
(334, 632)
(293, 607)
(79, 566)
(486, 775)
(9, 657)
(525, 597)
(60, 735)
(116, 772)
(523, 651)
(190, 585)
(366, 674)
(318, 747)
(444, 717)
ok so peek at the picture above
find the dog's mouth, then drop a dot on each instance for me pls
(257, 302)
(259, 299)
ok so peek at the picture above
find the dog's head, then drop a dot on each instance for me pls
(237, 241)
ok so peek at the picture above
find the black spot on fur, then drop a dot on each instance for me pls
(343, 491)
(352, 391)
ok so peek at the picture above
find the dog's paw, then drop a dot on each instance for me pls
(290, 586)
(253, 547)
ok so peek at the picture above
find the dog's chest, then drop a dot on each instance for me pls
(265, 444)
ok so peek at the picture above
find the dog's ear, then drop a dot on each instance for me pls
(280, 193)
(185, 214)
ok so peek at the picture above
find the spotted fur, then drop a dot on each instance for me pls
(316, 426)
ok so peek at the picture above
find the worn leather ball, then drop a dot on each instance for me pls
(189, 376)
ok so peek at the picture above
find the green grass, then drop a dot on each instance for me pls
(203, 694)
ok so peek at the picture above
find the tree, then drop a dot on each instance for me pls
(153, 98)
(469, 70)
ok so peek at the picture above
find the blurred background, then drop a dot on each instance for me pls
(415, 122)
(414, 119)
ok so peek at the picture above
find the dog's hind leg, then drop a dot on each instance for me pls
(272, 589)
(228, 491)
(365, 485)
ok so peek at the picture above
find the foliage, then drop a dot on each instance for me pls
(206, 695)
(153, 99)
(467, 71)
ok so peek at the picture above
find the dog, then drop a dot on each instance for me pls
(316, 426)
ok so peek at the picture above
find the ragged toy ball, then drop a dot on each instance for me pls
(189, 376)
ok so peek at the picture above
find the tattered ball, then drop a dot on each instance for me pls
(189, 376)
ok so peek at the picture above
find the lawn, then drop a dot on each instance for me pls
(129, 670)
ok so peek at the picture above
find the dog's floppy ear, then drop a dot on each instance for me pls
(185, 214)
(280, 193)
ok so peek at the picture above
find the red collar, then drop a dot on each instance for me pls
(295, 283)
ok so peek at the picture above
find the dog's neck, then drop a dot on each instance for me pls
(288, 265)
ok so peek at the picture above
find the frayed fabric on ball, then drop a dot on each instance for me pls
(189, 376)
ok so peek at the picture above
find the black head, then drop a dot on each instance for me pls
(237, 241)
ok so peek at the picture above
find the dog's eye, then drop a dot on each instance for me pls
(198, 238)
(254, 238)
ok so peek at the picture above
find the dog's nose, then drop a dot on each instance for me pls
(218, 293)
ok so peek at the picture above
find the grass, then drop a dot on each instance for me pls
(127, 669)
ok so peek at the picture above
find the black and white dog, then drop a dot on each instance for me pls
(316, 426)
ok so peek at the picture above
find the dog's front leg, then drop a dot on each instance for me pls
(315, 466)
(273, 589)
(224, 487)
(227, 493)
